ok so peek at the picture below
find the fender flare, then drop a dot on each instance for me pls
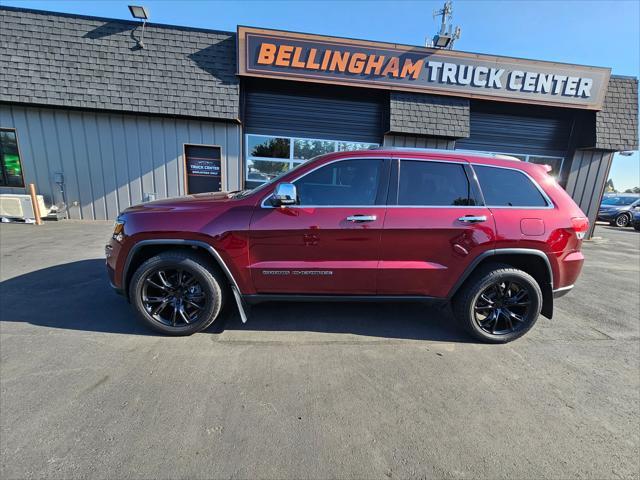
(191, 243)
(547, 290)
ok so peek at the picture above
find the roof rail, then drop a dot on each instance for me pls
(501, 156)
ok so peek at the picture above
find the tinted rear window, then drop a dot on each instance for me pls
(508, 188)
(433, 184)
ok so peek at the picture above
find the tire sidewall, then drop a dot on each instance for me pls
(206, 280)
(624, 217)
(523, 278)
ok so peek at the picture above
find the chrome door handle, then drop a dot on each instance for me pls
(473, 218)
(361, 218)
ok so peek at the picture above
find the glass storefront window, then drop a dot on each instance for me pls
(554, 162)
(304, 149)
(265, 170)
(287, 153)
(350, 146)
(268, 147)
(10, 164)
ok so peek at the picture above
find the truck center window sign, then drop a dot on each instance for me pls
(297, 56)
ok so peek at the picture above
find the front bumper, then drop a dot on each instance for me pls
(606, 215)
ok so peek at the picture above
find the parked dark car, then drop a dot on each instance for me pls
(497, 237)
(635, 222)
(618, 209)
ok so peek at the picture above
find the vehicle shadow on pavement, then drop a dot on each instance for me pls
(407, 321)
(77, 296)
(73, 296)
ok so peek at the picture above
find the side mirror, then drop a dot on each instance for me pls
(284, 194)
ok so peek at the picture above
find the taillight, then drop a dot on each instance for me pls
(580, 225)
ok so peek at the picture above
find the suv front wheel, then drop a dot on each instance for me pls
(621, 220)
(175, 293)
(498, 304)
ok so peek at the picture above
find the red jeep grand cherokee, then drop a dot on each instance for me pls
(497, 237)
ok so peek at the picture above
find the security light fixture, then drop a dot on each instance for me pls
(141, 13)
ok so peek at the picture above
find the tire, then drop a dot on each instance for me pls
(194, 292)
(469, 307)
(621, 221)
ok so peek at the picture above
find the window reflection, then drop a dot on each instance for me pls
(268, 147)
(261, 148)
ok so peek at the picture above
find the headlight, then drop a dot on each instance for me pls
(118, 229)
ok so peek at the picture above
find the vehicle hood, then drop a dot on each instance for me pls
(187, 202)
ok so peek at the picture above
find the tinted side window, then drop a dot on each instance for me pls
(433, 184)
(508, 188)
(343, 183)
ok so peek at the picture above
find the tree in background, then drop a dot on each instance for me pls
(632, 190)
(609, 188)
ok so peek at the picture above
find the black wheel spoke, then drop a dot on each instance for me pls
(507, 316)
(184, 315)
(163, 278)
(174, 315)
(173, 297)
(515, 317)
(520, 304)
(493, 308)
(156, 285)
(486, 299)
(160, 307)
(193, 304)
(155, 299)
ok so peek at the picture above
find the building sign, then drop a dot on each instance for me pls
(315, 58)
(203, 167)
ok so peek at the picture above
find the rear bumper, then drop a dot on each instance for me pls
(561, 292)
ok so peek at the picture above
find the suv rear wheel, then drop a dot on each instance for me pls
(176, 294)
(499, 304)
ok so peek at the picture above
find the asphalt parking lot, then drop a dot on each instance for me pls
(321, 391)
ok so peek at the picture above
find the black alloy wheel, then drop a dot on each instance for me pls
(498, 303)
(177, 292)
(173, 297)
(502, 307)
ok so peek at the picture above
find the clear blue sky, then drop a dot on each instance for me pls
(603, 33)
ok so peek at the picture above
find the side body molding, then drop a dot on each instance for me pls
(195, 243)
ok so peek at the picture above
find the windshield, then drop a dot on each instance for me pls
(619, 201)
(244, 193)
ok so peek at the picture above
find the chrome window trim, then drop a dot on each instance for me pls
(526, 155)
(550, 205)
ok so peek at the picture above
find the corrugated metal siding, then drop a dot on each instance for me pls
(414, 141)
(111, 161)
(497, 132)
(586, 179)
(313, 111)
